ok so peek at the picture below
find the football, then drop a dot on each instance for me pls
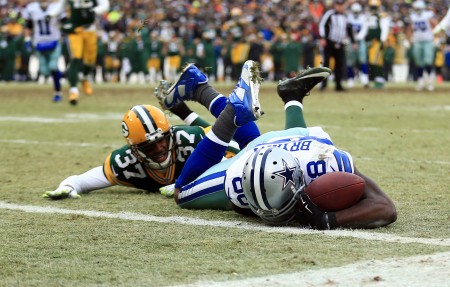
(336, 190)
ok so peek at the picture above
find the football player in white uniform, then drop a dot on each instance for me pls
(268, 177)
(43, 22)
(357, 54)
(420, 31)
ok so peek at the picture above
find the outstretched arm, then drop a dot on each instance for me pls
(75, 185)
(375, 209)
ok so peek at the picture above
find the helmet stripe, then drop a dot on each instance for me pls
(257, 181)
(146, 119)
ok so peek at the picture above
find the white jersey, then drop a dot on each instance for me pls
(316, 153)
(359, 25)
(46, 30)
(422, 30)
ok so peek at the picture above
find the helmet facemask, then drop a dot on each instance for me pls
(148, 134)
(272, 178)
(145, 151)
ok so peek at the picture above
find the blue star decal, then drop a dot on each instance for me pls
(287, 174)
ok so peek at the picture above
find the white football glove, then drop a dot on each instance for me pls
(168, 190)
(62, 192)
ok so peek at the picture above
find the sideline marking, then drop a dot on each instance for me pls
(22, 141)
(416, 271)
(68, 118)
(228, 224)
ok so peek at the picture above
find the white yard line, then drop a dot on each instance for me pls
(418, 271)
(226, 224)
(68, 118)
(33, 142)
(427, 270)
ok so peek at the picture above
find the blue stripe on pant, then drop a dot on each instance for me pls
(207, 191)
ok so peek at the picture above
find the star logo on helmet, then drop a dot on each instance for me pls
(287, 173)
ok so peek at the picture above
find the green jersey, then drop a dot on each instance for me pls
(81, 14)
(122, 167)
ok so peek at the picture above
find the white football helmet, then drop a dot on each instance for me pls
(272, 177)
(356, 8)
(45, 4)
(419, 5)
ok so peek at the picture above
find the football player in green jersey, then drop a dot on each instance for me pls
(155, 152)
(153, 157)
(81, 35)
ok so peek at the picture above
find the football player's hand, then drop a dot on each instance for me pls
(168, 190)
(310, 214)
(62, 192)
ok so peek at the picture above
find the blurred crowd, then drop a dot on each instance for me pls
(155, 38)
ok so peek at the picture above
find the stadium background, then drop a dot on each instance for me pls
(203, 31)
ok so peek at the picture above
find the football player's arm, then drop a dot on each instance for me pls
(102, 7)
(75, 185)
(375, 208)
(57, 9)
(443, 24)
(385, 23)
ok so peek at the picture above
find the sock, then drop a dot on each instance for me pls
(294, 115)
(350, 72)
(224, 127)
(181, 110)
(419, 73)
(74, 68)
(243, 135)
(365, 68)
(205, 95)
(56, 75)
(195, 120)
(87, 71)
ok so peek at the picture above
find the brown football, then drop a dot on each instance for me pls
(336, 190)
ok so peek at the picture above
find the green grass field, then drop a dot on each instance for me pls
(125, 237)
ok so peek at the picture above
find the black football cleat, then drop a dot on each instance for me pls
(298, 87)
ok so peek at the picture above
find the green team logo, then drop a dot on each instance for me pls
(125, 129)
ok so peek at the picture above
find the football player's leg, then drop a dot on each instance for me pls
(180, 109)
(429, 56)
(89, 59)
(419, 62)
(44, 68)
(75, 46)
(207, 96)
(364, 67)
(292, 91)
(56, 74)
(216, 103)
(207, 191)
(242, 107)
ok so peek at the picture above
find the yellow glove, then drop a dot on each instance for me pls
(168, 190)
(62, 192)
